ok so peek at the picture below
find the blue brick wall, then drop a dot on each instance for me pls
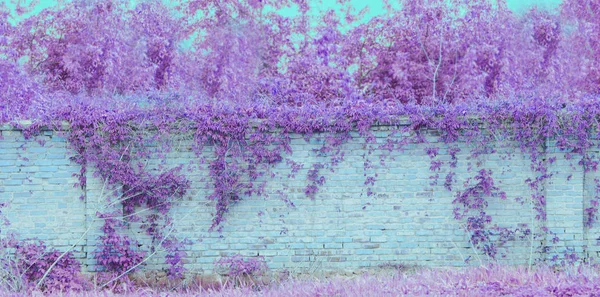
(407, 220)
(36, 179)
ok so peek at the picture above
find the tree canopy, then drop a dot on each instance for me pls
(424, 52)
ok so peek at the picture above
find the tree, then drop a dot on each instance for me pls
(245, 52)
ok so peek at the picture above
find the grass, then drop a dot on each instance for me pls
(474, 281)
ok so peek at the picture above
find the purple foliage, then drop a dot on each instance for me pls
(236, 266)
(26, 265)
(35, 260)
(118, 253)
(472, 70)
(478, 281)
(41, 268)
(246, 52)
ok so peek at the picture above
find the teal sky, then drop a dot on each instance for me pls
(375, 7)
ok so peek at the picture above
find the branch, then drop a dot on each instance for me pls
(39, 283)
(437, 67)
(453, 77)
(152, 254)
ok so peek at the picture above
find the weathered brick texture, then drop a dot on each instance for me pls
(409, 218)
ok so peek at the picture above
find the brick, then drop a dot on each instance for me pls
(407, 220)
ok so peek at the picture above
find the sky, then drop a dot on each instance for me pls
(375, 6)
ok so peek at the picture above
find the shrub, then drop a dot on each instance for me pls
(236, 266)
(32, 265)
(243, 271)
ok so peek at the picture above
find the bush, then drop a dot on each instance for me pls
(33, 265)
(242, 271)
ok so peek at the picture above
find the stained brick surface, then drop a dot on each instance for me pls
(409, 218)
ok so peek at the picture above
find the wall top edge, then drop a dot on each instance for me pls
(65, 125)
(24, 124)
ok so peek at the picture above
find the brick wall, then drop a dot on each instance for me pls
(408, 220)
